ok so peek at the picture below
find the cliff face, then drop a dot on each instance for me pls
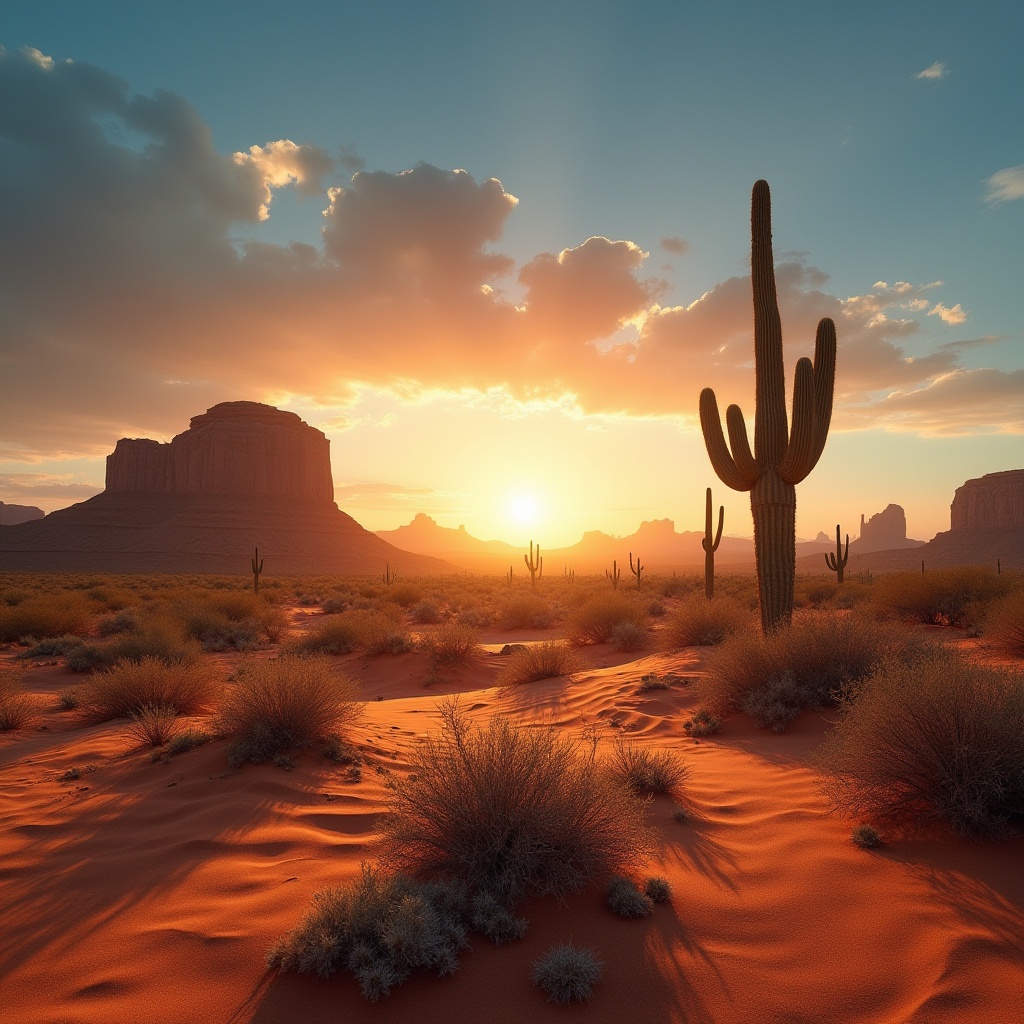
(241, 448)
(886, 529)
(994, 501)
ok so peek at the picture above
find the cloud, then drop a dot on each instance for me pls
(950, 316)
(935, 71)
(53, 490)
(676, 246)
(127, 305)
(1005, 185)
(967, 343)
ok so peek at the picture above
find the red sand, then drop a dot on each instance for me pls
(151, 892)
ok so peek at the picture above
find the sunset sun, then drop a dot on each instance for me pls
(523, 510)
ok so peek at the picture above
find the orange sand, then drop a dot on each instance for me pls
(151, 892)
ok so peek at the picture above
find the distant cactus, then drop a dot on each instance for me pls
(389, 577)
(710, 547)
(639, 568)
(781, 459)
(532, 565)
(837, 562)
(615, 575)
(508, 576)
(257, 567)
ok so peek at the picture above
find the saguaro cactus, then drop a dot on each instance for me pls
(837, 562)
(389, 577)
(615, 575)
(639, 568)
(532, 565)
(781, 458)
(257, 567)
(710, 546)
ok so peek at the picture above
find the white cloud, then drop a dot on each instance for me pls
(936, 70)
(950, 316)
(1005, 185)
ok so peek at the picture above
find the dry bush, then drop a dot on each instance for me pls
(533, 662)
(129, 686)
(644, 771)
(153, 725)
(525, 611)
(629, 636)
(452, 643)
(567, 973)
(1004, 625)
(229, 619)
(935, 740)
(404, 594)
(594, 621)
(626, 900)
(373, 632)
(698, 622)
(426, 612)
(286, 704)
(803, 666)
(16, 706)
(945, 597)
(158, 636)
(512, 810)
(45, 615)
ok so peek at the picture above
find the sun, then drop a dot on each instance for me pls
(523, 509)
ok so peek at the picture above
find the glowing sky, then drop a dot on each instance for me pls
(495, 252)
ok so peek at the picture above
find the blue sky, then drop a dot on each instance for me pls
(892, 136)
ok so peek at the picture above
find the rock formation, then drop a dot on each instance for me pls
(993, 501)
(884, 530)
(11, 515)
(242, 475)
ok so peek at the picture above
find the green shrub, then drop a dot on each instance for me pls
(626, 900)
(16, 706)
(512, 810)
(567, 973)
(698, 622)
(533, 662)
(287, 704)
(594, 620)
(645, 771)
(936, 740)
(130, 686)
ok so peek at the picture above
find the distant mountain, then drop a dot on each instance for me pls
(11, 515)
(423, 536)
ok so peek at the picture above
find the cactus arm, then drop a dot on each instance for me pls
(846, 552)
(706, 539)
(830, 561)
(800, 456)
(721, 523)
(741, 454)
(824, 380)
(718, 450)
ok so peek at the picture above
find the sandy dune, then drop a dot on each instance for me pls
(151, 892)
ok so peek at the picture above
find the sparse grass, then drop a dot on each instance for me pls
(698, 622)
(806, 665)
(452, 643)
(288, 704)
(17, 708)
(512, 810)
(626, 900)
(645, 771)
(658, 890)
(651, 682)
(594, 621)
(939, 740)
(1004, 625)
(69, 699)
(129, 686)
(534, 662)
(45, 615)
(186, 740)
(567, 973)
(153, 725)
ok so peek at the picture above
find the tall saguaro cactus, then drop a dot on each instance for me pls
(710, 546)
(837, 562)
(781, 457)
(533, 565)
(639, 568)
(257, 568)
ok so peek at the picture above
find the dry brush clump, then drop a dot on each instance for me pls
(804, 665)
(153, 725)
(45, 615)
(286, 704)
(956, 596)
(533, 662)
(595, 621)
(238, 619)
(525, 611)
(452, 643)
(1004, 625)
(934, 740)
(154, 635)
(698, 622)
(645, 771)
(129, 686)
(512, 810)
(17, 708)
(370, 631)
(567, 973)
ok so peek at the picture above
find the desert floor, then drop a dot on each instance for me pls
(150, 892)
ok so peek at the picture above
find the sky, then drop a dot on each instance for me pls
(495, 252)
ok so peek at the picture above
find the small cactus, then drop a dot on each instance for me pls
(639, 568)
(257, 567)
(389, 577)
(533, 565)
(837, 562)
(615, 575)
(711, 546)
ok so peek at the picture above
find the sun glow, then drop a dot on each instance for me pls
(523, 509)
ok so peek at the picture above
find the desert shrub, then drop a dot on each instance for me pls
(129, 686)
(69, 699)
(55, 646)
(451, 643)
(16, 706)
(153, 724)
(645, 771)
(15, 595)
(380, 927)
(187, 739)
(495, 921)
(816, 592)
(45, 615)
(628, 636)
(702, 723)
(567, 973)
(286, 704)
(625, 899)
(405, 595)
(802, 666)
(950, 597)
(426, 612)
(594, 620)
(113, 599)
(510, 809)
(478, 618)
(334, 604)
(1004, 625)
(698, 622)
(372, 632)
(380, 634)
(650, 682)
(126, 621)
(229, 619)
(658, 890)
(533, 662)
(938, 739)
(525, 611)
(867, 837)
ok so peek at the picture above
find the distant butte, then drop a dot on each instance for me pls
(243, 474)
